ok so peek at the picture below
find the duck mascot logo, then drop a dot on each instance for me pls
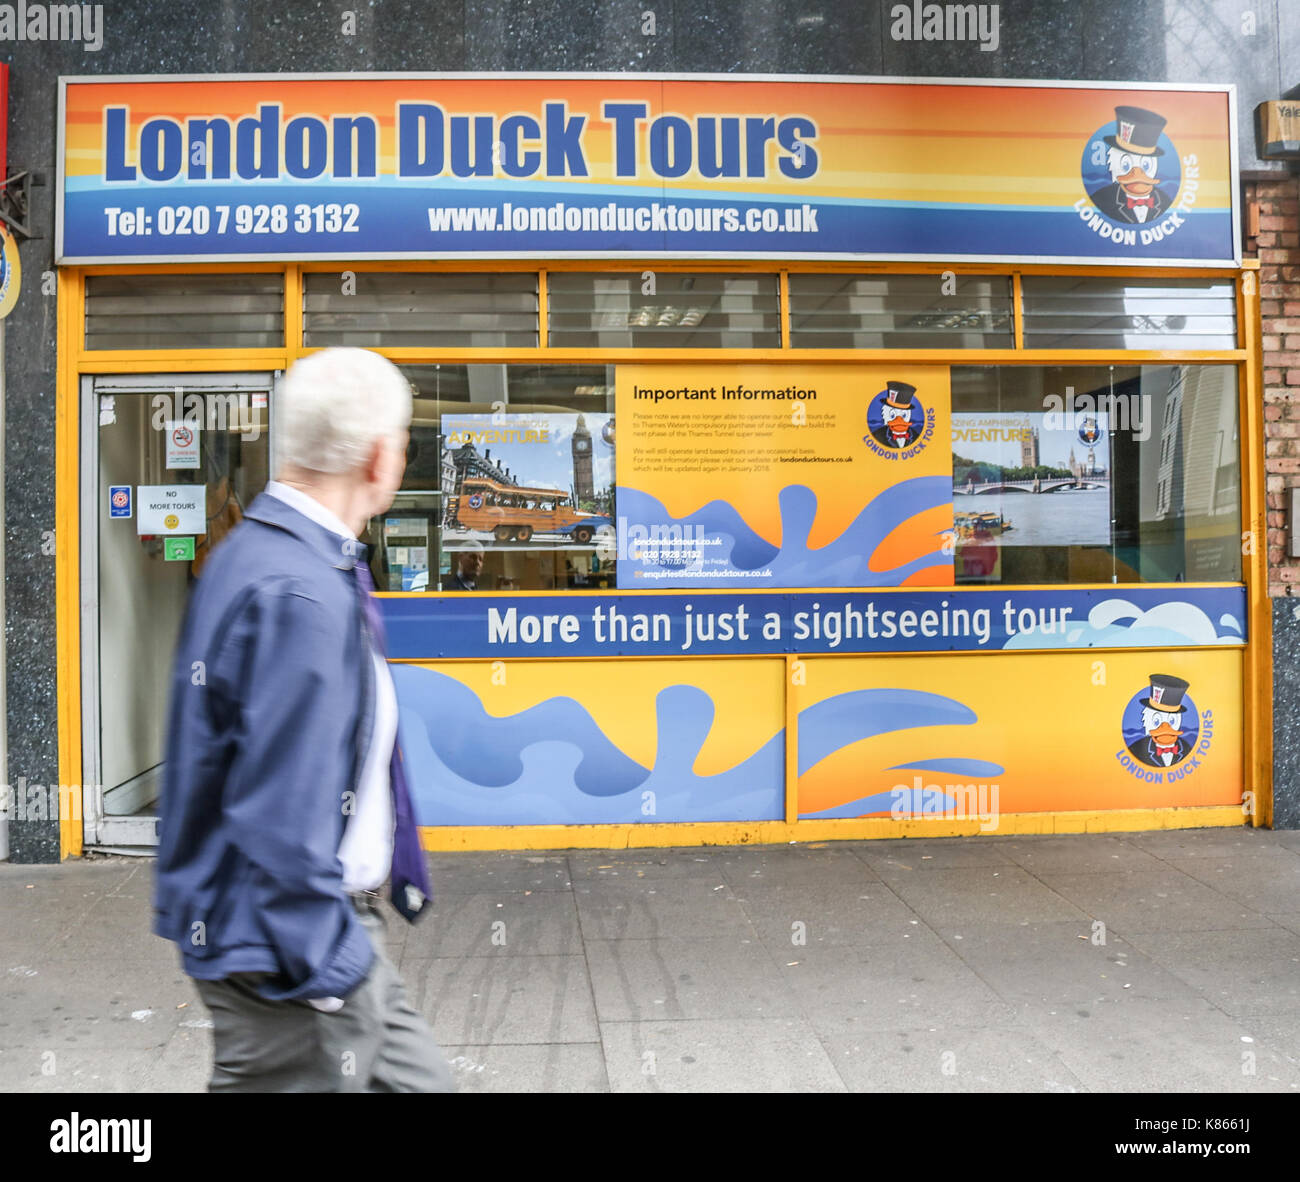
(1122, 170)
(1168, 731)
(899, 424)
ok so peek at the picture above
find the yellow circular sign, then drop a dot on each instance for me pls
(171, 521)
(10, 273)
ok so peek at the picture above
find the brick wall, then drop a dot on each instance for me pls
(1276, 244)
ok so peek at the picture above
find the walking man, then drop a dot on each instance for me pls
(284, 802)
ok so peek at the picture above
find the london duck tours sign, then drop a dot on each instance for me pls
(167, 169)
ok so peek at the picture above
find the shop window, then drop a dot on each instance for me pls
(509, 482)
(1083, 312)
(185, 311)
(663, 310)
(389, 309)
(938, 311)
(1096, 474)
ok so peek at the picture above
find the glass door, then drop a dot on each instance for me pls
(169, 465)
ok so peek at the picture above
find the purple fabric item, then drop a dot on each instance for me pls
(411, 890)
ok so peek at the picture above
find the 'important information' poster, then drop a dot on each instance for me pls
(774, 476)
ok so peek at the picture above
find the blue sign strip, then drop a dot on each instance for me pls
(434, 627)
(404, 219)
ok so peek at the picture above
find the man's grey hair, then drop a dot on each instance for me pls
(335, 404)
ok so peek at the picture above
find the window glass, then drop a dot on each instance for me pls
(1087, 312)
(377, 309)
(663, 310)
(509, 482)
(1060, 474)
(829, 311)
(225, 311)
(1096, 474)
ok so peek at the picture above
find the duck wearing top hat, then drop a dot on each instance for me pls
(1163, 745)
(1132, 156)
(900, 425)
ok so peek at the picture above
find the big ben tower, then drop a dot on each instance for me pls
(583, 486)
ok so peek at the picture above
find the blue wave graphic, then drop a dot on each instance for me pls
(552, 764)
(847, 718)
(954, 767)
(829, 726)
(1116, 622)
(731, 546)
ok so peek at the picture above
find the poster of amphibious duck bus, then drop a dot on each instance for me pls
(541, 480)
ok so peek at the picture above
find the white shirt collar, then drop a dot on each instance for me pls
(309, 507)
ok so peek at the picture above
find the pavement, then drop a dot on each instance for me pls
(1165, 961)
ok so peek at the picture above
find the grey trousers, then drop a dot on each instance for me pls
(375, 1043)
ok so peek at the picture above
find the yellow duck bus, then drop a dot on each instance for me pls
(514, 512)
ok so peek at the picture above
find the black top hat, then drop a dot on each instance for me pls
(1166, 693)
(899, 394)
(1138, 131)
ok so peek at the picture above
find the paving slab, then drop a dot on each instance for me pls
(501, 924)
(961, 899)
(950, 1059)
(890, 987)
(1287, 919)
(716, 977)
(83, 1069)
(676, 908)
(1129, 901)
(1250, 972)
(928, 965)
(934, 853)
(557, 1067)
(722, 1055)
(79, 1003)
(755, 867)
(1210, 843)
(1260, 881)
(1139, 1045)
(1063, 963)
(834, 913)
(480, 873)
(1081, 854)
(645, 865)
(185, 1062)
(477, 1000)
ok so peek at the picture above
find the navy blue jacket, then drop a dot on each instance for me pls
(272, 701)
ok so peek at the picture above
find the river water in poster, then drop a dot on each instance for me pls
(1078, 517)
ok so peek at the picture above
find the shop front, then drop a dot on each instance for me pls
(791, 459)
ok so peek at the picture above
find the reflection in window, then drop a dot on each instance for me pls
(1096, 474)
(513, 464)
(663, 310)
(1089, 312)
(832, 311)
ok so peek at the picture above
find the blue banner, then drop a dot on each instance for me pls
(492, 626)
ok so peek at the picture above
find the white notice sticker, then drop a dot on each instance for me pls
(171, 509)
(182, 443)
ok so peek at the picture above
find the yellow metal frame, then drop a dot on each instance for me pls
(75, 361)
